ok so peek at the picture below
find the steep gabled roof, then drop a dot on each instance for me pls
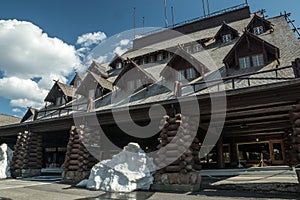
(68, 91)
(182, 54)
(29, 113)
(225, 27)
(78, 76)
(255, 18)
(97, 68)
(92, 79)
(7, 120)
(249, 36)
(130, 64)
(116, 59)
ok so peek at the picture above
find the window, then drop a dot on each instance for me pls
(188, 49)
(244, 62)
(180, 75)
(91, 94)
(258, 30)
(130, 85)
(119, 65)
(138, 83)
(258, 60)
(197, 48)
(143, 61)
(78, 83)
(63, 100)
(98, 92)
(152, 59)
(160, 57)
(58, 101)
(190, 73)
(226, 38)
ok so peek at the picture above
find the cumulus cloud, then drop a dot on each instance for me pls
(26, 52)
(120, 50)
(89, 39)
(17, 110)
(124, 42)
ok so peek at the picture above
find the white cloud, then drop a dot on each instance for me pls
(17, 110)
(120, 50)
(18, 90)
(124, 42)
(89, 39)
(27, 52)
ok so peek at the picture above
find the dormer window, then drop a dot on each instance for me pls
(119, 65)
(58, 101)
(258, 60)
(130, 85)
(252, 61)
(188, 49)
(258, 30)
(180, 75)
(78, 84)
(226, 38)
(190, 73)
(244, 62)
(160, 57)
(91, 94)
(197, 48)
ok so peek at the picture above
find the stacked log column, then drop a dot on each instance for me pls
(28, 157)
(179, 148)
(292, 140)
(78, 160)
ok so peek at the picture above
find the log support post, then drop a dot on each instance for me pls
(220, 157)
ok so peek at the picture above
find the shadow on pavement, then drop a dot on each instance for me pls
(138, 195)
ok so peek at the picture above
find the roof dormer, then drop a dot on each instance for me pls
(117, 62)
(60, 94)
(250, 51)
(226, 34)
(97, 68)
(183, 66)
(133, 77)
(94, 86)
(259, 25)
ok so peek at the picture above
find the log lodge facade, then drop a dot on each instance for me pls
(258, 60)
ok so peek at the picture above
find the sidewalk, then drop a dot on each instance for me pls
(271, 179)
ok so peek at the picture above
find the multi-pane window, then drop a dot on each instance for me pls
(258, 30)
(226, 38)
(138, 83)
(197, 48)
(130, 85)
(188, 49)
(78, 83)
(98, 92)
(160, 57)
(119, 65)
(58, 101)
(190, 73)
(258, 60)
(91, 94)
(180, 75)
(244, 62)
(152, 59)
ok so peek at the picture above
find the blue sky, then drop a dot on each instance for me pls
(91, 20)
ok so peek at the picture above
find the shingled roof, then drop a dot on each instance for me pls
(67, 90)
(7, 120)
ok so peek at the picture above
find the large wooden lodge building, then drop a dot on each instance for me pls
(256, 57)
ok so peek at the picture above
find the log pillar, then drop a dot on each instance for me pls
(28, 155)
(183, 174)
(220, 157)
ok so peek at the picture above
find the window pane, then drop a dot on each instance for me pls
(58, 100)
(258, 60)
(190, 73)
(258, 30)
(91, 94)
(244, 62)
(138, 83)
(227, 38)
(130, 85)
(180, 75)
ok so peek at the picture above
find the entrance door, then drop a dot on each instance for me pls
(277, 154)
